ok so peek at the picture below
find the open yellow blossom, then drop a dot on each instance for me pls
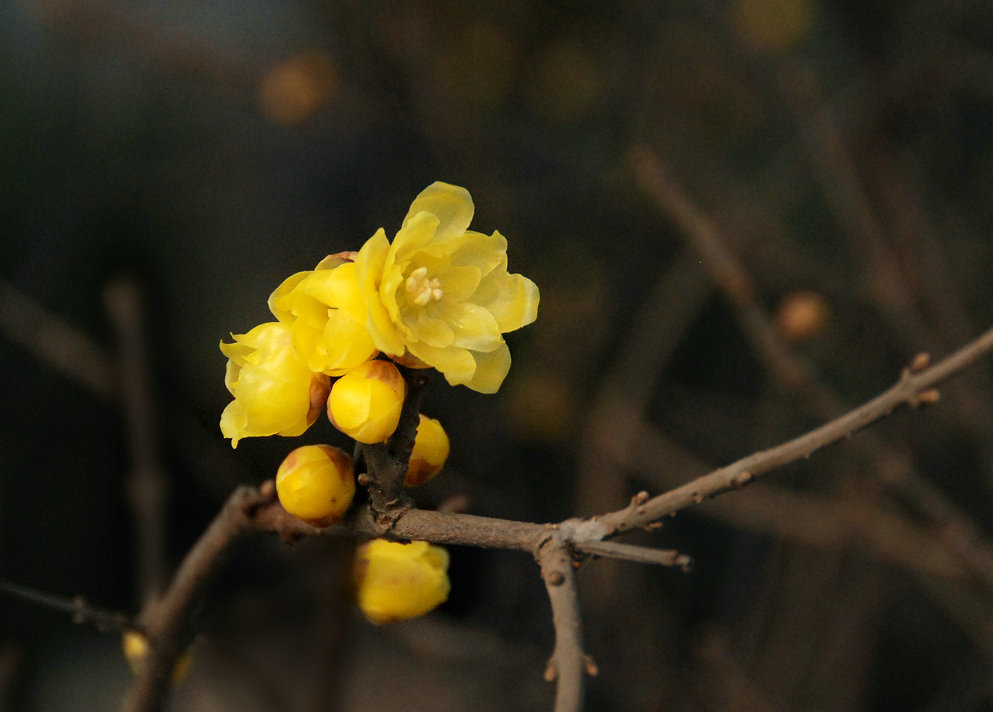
(274, 390)
(441, 294)
(326, 314)
(399, 581)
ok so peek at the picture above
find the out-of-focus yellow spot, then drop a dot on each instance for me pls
(567, 82)
(135, 647)
(399, 581)
(801, 316)
(773, 25)
(297, 87)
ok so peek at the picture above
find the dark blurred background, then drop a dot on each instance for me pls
(163, 166)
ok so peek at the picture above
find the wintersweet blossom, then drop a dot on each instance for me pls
(399, 581)
(274, 390)
(440, 295)
(326, 314)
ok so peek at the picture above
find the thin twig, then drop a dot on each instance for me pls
(907, 391)
(568, 662)
(638, 554)
(77, 607)
(954, 528)
(55, 342)
(147, 485)
(165, 619)
(249, 509)
(386, 463)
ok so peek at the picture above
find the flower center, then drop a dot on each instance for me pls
(421, 289)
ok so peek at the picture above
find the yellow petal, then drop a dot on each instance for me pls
(512, 299)
(491, 370)
(369, 265)
(485, 252)
(459, 283)
(345, 344)
(418, 231)
(280, 301)
(456, 364)
(474, 327)
(434, 332)
(451, 204)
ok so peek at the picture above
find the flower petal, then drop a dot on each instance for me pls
(369, 265)
(512, 299)
(491, 370)
(474, 327)
(451, 204)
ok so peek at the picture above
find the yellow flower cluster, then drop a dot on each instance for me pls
(439, 296)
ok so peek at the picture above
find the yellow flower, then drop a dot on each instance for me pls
(365, 403)
(316, 483)
(326, 314)
(274, 391)
(431, 447)
(399, 581)
(442, 294)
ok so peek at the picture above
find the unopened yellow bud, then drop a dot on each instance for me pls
(365, 403)
(135, 646)
(399, 581)
(316, 483)
(429, 454)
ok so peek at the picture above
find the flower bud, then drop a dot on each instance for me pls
(135, 646)
(429, 454)
(399, 581)
(316, 483)
(365, 403)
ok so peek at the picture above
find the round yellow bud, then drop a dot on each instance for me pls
(365, 403)
(399, 581)
(429, 454)
(135, 646)
(316, 483)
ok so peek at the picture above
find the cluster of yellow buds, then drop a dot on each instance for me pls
(438, 296)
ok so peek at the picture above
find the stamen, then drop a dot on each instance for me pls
(421, 289)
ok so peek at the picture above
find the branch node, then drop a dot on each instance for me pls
(551, 671)
(555, 578)
(640, 498)
(741, 479)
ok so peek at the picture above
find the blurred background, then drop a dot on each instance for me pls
(744, 217)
